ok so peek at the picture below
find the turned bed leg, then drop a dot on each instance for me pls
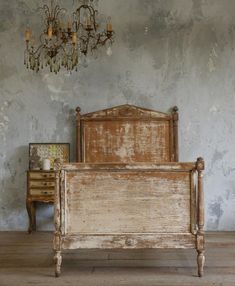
(200, 239)
(57, 220)
(200, 262)
(58, 261)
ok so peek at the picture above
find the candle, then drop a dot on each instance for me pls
(27, 35)
(88, 22)
(49, 32)
(109, 27)
(74, 38)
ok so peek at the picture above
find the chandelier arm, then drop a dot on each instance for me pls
(37, 51)
(104, 41)
(78, 11)
(34, 53)
(58, 11)
(51, 11)
(75, 22)
(85, 43)
(56, 45)
(97, 42)
(45, 23)
(46, 10)
(40, 37)
(83, 38)
(88, 41)
(90, 35)
(92, 13)
(57, 8)
(103, 38)
(77, 19)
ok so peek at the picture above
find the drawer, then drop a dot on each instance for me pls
(41, 184)
(41, 175)
(40, 192)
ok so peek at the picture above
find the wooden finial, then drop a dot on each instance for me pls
(175, 109)
(175, 114)
(78, 134)
(78, 109)
(58, 164)
(175, 118)
(200, 165)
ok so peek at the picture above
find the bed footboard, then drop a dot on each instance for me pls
(129, 206)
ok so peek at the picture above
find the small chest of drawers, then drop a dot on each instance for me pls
(40, 188)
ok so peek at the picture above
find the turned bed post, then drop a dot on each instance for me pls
(57, 233)
(78, 135)
(200, 219)
(175, 119)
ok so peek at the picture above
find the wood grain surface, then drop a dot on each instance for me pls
(127, 133)
(26, 260)
(122, 202)
(141, 205)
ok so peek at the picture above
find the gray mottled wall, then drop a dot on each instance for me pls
(167, 52)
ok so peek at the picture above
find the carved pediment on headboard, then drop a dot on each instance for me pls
(125, 111)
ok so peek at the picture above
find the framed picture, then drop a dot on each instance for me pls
(52, 151)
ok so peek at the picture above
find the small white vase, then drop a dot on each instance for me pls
(46, 164)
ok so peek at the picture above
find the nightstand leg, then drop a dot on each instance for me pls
(29, 210)
(33, 212)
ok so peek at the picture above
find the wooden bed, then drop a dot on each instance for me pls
(122, 200)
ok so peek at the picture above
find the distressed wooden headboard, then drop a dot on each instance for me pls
(127, 134)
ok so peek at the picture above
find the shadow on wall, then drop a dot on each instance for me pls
(13, 189)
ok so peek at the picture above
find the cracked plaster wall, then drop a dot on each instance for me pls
(166, 53)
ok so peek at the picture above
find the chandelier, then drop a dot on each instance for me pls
(64, 45)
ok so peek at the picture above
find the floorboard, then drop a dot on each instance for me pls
(27, 260)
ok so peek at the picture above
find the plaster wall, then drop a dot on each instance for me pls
(166, 53)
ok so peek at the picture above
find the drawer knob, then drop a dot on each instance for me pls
(45, 193)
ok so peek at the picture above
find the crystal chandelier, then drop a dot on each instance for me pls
(62, 46)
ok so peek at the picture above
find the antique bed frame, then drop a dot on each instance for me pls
(130, 203)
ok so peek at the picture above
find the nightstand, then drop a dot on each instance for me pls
(40, 188)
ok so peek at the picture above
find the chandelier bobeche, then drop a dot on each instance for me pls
(62, 46)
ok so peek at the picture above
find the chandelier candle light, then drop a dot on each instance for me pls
(62, 46)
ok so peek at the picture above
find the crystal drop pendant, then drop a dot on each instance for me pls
(109, 51)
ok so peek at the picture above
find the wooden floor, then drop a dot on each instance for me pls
(27, 260)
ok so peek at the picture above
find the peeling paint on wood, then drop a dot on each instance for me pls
(127, 133)
(130, 206)
(120, 201)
